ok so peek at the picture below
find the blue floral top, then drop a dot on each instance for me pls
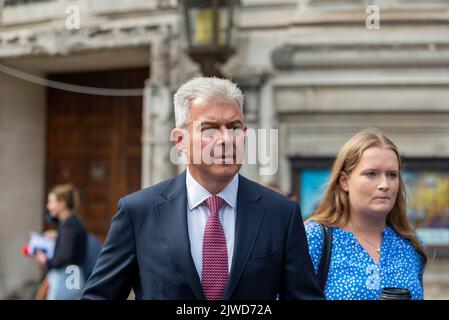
(354, 275)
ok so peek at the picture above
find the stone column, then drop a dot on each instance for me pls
(250, 85)
(267, 121)
(22, 176)
(158, 114)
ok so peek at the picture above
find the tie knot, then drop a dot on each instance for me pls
(214, 203)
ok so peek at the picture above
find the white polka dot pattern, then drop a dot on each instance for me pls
(354, 275)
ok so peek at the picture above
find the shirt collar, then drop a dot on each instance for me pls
(196, 193)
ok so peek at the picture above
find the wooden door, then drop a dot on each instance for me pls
(94, 142)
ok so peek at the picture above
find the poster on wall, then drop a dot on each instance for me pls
(428, 205)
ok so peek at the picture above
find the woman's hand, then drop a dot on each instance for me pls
(41, 258)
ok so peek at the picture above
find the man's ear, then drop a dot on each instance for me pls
(178, 136)
(343, 180)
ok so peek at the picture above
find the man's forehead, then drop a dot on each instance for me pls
(202, 120)
(208, 113)
(201, 101)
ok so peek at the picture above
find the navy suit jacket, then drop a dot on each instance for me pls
(147, 248)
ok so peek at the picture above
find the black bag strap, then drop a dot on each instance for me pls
(325, 255)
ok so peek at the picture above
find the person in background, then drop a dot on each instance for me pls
(294, 196)
(373, 243)
(70, 248)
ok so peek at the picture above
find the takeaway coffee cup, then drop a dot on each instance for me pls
(395, 294)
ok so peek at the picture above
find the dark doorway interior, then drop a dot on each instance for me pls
(94, 142)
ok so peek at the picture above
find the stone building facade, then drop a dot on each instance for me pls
(313, 69)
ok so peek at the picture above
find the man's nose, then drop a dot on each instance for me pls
(225, 136)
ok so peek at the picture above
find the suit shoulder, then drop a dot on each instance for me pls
(147, 195)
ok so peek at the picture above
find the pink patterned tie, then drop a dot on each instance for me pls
(215, 254)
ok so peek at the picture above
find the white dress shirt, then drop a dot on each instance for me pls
(198, 213)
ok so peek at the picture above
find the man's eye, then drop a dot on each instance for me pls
(209, 132)
(236, 130)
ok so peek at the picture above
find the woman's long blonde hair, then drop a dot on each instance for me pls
(333, 209)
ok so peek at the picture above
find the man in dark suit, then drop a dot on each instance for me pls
(208, 233)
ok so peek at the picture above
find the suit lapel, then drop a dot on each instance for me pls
(173, 217)
(248, 220)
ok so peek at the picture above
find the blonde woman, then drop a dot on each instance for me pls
(373, 244)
